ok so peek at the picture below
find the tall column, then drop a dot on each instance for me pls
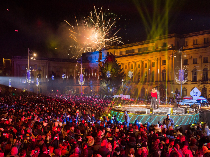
(159, 67)
(168, 69)
(156, 70)
(142, 71)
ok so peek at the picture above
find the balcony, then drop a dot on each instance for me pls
(196, 45)
(204, 81)
(194, 81)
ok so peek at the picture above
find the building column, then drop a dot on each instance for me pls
(142, 71)
(148, 70)
(159, 67)
(156, 70)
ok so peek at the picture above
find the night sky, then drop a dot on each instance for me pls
(38, 24)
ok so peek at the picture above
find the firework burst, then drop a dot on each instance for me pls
(94, 32)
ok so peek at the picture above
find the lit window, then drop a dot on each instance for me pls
(163, 62)
(145, 65)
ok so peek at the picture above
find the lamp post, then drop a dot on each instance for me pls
(80, 80)
(81, 76)
(181, 71)
(181, 80)
(28, 60)
(28, 74)
(28, 71)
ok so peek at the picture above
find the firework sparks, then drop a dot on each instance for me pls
(94, 32)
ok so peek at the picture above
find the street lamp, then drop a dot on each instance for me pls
(181, 79)
(28, 75)
(81, 79)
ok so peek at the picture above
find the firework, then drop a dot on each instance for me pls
(94, 32)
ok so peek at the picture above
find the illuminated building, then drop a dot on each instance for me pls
(153, 63)
(48, 71)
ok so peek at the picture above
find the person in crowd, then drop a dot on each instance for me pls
(168, 121)
(127, 118)
(104, 151)
(45, 152)
(14, 152)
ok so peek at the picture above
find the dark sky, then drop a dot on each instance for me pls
(40, 24)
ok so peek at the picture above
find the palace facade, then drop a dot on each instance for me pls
(157, 63)
(153, 63)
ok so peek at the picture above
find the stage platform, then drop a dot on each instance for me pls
(144, 115)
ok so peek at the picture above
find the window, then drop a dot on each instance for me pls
(206, 40)
(138, 65)
(195, 41)
(184, 92)
(164, 75)
(204, 92)
(121, 53)
(129, 51)
(164, 44)
(131, 66)
(205, 59)
(146, 48)
(153, 76)
(139, 49)
(186, 43)
(194, 60)
(125, 66)
(205, 74)
(177, 44)
(153, 64)
(145, 65)
(145, 77)
(194, 75)
(185, 61)
(163, 62)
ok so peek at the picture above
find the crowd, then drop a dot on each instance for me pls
(76, 126)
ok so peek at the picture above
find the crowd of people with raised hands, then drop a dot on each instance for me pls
(78, 126)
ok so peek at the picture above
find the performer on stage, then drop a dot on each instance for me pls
(127, 118)
(154, 98)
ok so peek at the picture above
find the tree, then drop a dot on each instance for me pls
(111, 75)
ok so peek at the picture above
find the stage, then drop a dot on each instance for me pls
(142, 113)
